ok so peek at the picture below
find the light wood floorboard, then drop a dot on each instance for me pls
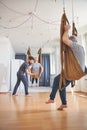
(31, 113)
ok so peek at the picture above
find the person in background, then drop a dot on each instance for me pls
(21, 75)
(37, 69)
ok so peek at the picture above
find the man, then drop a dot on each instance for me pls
(77, 49)
(21, 75)
(79, 53)
(37, 69)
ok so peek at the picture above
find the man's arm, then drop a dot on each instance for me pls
(29, 72)
(41, 70)
(30, 68)
(65, 37)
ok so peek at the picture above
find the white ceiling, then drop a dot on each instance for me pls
(35, 23)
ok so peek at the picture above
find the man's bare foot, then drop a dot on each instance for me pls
(14, 94)
(61, 107)
(28, 95)
(49, 101)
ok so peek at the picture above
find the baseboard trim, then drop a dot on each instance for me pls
(4, 92)
(81, 94)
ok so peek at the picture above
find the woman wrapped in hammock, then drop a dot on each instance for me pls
(79, 53)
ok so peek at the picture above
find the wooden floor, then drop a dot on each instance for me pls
(31, 113)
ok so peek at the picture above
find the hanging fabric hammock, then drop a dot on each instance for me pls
(29, 52)
(40, 56)
(70, 68)
(74, 30)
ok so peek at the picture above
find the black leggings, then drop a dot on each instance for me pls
(35, 80)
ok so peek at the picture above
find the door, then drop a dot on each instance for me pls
(45, 80)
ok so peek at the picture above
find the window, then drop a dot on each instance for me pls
(52, 64)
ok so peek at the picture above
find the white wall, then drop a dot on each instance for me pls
(6, 54)
(82, 83)
(54, 64)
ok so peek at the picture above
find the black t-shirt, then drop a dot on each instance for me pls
(23, 68)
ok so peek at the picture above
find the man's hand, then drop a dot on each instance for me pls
(67, 27)
(29, 72)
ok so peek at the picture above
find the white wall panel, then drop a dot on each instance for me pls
(6, 54)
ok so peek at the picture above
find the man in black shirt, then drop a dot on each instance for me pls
(21, 75)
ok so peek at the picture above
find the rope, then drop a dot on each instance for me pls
(63, 6)
(42, 20)
(35, 8)
(30, 13)
(74, 30)
(5, 27)
(72, 12)
(17, 12)
(12, 10)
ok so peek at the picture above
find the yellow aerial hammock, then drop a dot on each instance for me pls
(40, 56)
(29, 52)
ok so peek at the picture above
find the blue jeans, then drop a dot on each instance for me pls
(61, 92)
(23, 78)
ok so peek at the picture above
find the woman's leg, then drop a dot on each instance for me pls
(32, 80)
(36, 80)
